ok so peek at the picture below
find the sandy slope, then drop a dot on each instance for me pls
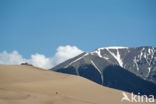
(20, 84)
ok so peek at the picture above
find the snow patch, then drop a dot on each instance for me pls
(149, 69)
(148, 55)
(98, 52)
(98, 70)
(115, 47)
(117, 57)
(76, 60)
(135, 61)
(105, 57)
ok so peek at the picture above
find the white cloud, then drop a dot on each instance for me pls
(63, 53)
(40, 60)
(11, 58)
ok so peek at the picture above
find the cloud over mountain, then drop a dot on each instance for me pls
(63, 53)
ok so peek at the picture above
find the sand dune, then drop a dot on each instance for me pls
(21, 84)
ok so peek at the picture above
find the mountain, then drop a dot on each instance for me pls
(128, 69)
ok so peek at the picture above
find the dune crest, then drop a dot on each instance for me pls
(22, 84)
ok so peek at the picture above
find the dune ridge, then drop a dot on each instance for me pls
(22, 84)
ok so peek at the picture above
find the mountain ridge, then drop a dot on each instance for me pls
(140, 61)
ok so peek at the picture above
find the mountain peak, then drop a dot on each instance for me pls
(114, 47)
(115, 66)
(138, 60)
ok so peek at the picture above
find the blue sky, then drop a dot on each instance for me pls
(40, 26)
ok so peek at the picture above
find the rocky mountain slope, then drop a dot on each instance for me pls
(129, 69)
